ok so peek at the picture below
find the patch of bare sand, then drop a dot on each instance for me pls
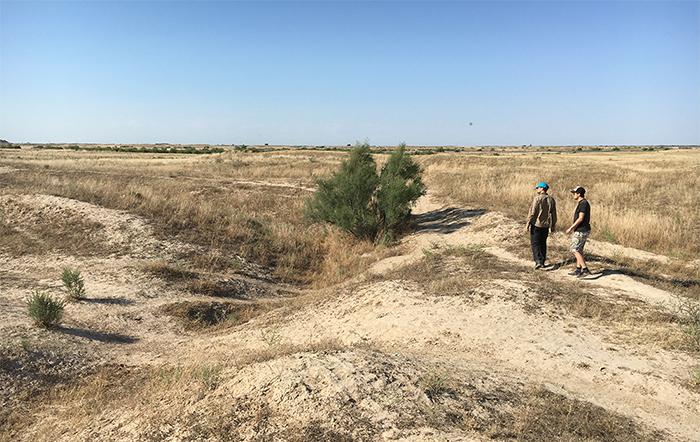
(569, 355)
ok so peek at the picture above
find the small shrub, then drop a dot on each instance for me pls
(695, 379)
(271, 337)
(74, 284)
(44, 310)
(688, 314)
(435, 385)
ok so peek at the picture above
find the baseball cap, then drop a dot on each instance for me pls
(578, 189)
(543, 185)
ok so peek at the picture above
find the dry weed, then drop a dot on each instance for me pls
(629, 206)
(550, 416)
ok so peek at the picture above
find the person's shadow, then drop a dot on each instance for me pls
(108, 301)
(610, 268)
(445, 220)
(111, 338)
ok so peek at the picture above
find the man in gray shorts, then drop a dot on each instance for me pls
(581, 228)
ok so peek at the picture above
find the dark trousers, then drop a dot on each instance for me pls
(538, 240)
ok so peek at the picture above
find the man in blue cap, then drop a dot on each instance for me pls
(541, 219)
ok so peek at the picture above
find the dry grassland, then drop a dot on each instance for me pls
(645, 200)
(216, 311)
(246, 205)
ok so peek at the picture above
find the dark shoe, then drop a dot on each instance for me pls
(538, 266)
(584, 272)
(575, 272)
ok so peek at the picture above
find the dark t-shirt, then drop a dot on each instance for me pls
(585, 208)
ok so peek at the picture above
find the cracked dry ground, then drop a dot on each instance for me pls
(457, 338)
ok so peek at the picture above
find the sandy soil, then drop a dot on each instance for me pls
(487, 337)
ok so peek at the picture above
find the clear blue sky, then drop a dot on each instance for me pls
(563, 72)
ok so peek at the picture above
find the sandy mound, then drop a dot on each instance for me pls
(332, 395)
(114, 230)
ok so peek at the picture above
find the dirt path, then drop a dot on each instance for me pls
(493, 229)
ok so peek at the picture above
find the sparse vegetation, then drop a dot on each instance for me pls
(209, 375)
(226, 234)
(435, 384)
(44, 310)
(695, 379)
(201, 314)
(688, 313)
(612, 180)
(453, 271)
(74, 284)
(169, 272)
(550, 416)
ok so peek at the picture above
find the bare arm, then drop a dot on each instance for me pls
(576, 223)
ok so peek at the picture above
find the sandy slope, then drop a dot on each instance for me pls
(581, 358)
(489, 332)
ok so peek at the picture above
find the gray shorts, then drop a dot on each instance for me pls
(578, 240)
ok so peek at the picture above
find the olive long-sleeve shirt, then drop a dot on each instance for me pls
(543, 212)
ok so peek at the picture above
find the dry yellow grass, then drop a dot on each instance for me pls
(251, 204)
(248, 205)
(646, 200)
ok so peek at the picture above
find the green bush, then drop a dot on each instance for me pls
(44, 310)
(400, 185)
(368, 205)
(74, 284)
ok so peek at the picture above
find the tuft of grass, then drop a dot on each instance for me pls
(44, 310)
(550, 416)
(208, 375)
(74, 284)
(435, 384)
(169, 272)
(607, 235)
(276, 348)
(688, 314)
(695, 379)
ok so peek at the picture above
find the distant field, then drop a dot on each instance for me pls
(641, 199)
